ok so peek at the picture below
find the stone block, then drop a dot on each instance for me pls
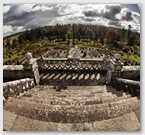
(27, 124)
(127, 122)
(64, 127)
(8, 120)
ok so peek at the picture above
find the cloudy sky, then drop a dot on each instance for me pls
(19, 17)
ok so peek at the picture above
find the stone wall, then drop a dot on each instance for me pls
(29, 69)
(15, 87)
(14, 72)
(133, 87)
(129, 72)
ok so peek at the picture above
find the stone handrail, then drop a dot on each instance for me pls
(70, 64)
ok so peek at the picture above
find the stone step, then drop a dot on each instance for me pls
(74, 100)
(71, 113)
(63, 99)
(126, 122)
(67, 99)
(47, 91)
(85, 94)
(88, 88)
(75, 89)
(94, 98)
(137, 112)
(47, 95)
(44, 91)
(114, 98)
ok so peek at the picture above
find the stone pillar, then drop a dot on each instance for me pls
(31, 67)
(114, 67)
(40, 63)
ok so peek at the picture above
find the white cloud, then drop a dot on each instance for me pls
(6, 8)
(8, 29)
(28, 16)
(20, 9)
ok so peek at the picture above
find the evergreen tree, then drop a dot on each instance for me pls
(129, 32)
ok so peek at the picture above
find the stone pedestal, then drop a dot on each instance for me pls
(114, 68)
(31, 67)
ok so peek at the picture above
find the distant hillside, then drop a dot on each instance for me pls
(13, 35)
(125, 42)
(60, 30)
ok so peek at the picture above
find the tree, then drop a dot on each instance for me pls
(79, 37)
(129, 32)
(15, 43)
(20, 40)
(68, 38)
(73, 34)
(111, 35)
(123, 34)
(8, 44)
(63, 37)
(131, 40)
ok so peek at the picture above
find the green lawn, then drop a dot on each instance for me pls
(134, 58)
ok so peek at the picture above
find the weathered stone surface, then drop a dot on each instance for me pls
(67, 113)
(127, 122)
(74, 111)
(137, 112)
(8, 120)
(64, 127)
(88, 126)
(126, 102)
(130, 72)
(133, 87)
(27, 124)
(90, 88)
(113, 99)
(78, 127)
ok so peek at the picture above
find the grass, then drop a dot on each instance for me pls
(31, 47)
(131, 58)
(48, 45)
(15, 56)
(51, 43)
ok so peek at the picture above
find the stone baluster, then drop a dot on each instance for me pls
(31, 67)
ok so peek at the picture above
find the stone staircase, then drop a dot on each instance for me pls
(76, 108)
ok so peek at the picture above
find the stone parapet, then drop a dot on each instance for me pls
(133, 87)
(15, 87)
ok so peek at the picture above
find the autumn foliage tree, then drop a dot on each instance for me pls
(111, 35)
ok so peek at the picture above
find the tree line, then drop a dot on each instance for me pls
(108, 35)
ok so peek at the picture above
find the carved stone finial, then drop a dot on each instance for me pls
(28, 56)
(117, 56)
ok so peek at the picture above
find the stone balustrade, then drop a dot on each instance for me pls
(15, 87)
(70, 64)
(32, 66)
